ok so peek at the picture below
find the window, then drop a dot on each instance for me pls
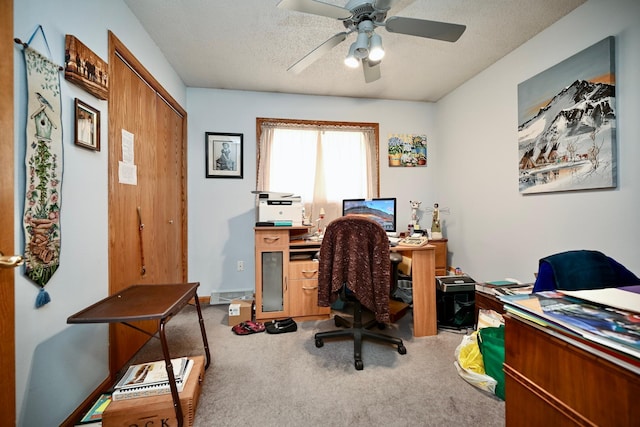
(323, 162)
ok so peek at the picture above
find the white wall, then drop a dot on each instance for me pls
(493, 230)
(222, 211)
(50, 354)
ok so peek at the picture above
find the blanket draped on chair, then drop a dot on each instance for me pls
(359, 259)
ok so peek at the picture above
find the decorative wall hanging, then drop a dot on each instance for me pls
(85, 69)
(224, 155)
(567, 124)
(44, 165)
(87, 126)
(407, 150)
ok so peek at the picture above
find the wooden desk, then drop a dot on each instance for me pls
(275, 270)
(286, 281)
(553, 379)
(148, 302)
(423, 277)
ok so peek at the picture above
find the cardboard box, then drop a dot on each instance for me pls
(240, 310)
(158, 410)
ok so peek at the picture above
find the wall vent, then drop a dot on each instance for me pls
(226, 297)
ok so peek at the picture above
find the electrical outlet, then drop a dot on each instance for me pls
(240, 265)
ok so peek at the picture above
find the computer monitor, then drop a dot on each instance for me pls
(381, 210)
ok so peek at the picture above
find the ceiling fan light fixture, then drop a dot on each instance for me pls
(351, 61)
(362, 45)
(376, 52)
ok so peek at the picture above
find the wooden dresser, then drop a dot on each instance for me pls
(484, 301)
(556, 380)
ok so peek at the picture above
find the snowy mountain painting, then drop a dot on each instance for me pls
(567, 124)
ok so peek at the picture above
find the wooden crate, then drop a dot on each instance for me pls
(158, 410)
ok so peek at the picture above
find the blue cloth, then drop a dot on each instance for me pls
(581, 269)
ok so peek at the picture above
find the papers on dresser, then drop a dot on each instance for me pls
(504, 287)
(605, 325)
(624, 298)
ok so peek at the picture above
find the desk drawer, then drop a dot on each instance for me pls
(303, 270)
(267, 240)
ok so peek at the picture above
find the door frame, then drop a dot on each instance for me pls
(7, 222)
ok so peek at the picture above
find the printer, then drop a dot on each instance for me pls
(283, 209)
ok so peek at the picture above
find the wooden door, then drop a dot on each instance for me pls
(7, 226)
(157, 253)
(169, 210)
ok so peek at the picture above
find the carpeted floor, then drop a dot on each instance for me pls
(284, 380)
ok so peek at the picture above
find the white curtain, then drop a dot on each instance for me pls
(323, 164)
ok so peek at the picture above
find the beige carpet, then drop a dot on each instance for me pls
(284, 380)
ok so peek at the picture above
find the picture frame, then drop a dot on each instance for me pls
(84, 68)
(224, 155)
(87, 126)
(567, 124)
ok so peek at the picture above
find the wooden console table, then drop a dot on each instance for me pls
(148, 302)
(556, 379)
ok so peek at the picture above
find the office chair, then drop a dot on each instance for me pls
(354, 265)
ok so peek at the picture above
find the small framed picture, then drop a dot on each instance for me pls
(223, 155)
(87, 126)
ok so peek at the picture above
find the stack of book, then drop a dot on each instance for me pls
(590, 322)
(151, 379)
(94, 414)
(504, 287)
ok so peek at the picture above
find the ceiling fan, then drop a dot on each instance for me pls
(363, 17)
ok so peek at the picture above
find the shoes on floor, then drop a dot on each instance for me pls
(248, 327)
(286, 321)
(281, 326)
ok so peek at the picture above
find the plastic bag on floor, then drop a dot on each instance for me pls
(470, 365)
(491, 344)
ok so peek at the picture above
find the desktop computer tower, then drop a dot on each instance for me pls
(455, 301)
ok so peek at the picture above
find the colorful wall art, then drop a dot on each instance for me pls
(407, 150)
(567, 124)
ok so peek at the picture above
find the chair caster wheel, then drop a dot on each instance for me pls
(401, 349)
(359, 365)
(320, 343)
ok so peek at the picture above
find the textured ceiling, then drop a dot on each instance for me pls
(249, 44)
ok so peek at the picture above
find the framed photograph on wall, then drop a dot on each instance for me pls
(87, 126)
(223, 155)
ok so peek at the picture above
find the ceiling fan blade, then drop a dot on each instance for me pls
(318, 52)
(371, 70)
(382, 4)
(316, 8)
(424, 28)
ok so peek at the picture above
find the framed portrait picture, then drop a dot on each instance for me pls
(223, 155)
(87, 126)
